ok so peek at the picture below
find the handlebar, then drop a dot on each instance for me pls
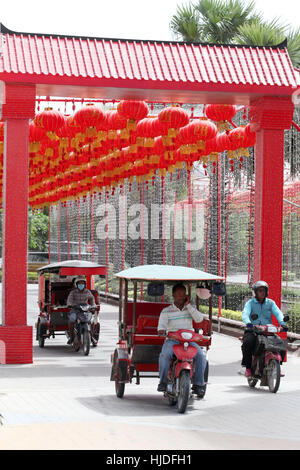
(266, 328)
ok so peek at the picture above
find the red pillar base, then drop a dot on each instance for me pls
(16, 344)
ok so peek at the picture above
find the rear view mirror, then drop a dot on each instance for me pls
(155, 289)
(286, 318)
(219, 288)
(253, 316)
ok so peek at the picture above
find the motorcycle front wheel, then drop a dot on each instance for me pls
(86, 341)
(184, 390)
(273, 375)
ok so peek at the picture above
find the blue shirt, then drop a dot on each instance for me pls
(264, 312)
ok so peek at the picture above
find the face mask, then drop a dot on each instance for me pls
(80, 286)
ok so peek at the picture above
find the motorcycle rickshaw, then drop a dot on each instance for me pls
(137, 352)
(56, 281)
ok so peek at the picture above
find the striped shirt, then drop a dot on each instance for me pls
(78, 297)
(173, 319)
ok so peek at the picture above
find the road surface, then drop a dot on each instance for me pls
(65, 400)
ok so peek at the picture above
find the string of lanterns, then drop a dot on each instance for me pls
(71, 156)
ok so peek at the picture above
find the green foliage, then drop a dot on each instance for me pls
(291, 275)
(185, 24)
(232, 22)
(230, 314)
(294, 314)
(221, 18)
(258, 33)
(38, 228)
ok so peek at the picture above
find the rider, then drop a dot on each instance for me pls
(179, 315)
(78, 296)
(264, 308)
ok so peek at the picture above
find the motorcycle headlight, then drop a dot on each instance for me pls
(186, 335)
(272, 329)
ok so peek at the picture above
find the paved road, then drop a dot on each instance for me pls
(65, 400)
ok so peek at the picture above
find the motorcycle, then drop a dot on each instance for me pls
(82, 328)
(267, 358)
(181, 369)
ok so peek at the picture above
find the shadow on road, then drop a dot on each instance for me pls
(132, 405)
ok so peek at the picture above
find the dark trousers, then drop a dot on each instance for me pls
(248, 347)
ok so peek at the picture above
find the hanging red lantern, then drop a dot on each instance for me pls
(223, 142)
(36, 135)
(199, 131)
(250, 137)
(220, 113)
(133, 111)
(115, 121)
(88, 118)
(171, 119)
(238, 139)
(146, 131)
(49, 120)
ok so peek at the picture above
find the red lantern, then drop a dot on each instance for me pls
(250, 137)
(49, 120)
(115, 121)
(239, 142)
(223, 142)
(220, 113)
(171, 119)
(133, 111)
(89, 118)
(201, 130)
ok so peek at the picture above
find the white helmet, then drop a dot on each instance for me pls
(80, 279)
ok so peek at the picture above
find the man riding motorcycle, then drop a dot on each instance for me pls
(78, 296)
(179, 315)
(263, 308)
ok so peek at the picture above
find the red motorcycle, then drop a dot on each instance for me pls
(181, 368)
(268, 356)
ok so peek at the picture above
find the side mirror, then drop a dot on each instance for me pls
(253, 316)
(155, 290)
(219, 288)
(286, 318)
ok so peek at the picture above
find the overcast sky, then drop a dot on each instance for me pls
(131, 19)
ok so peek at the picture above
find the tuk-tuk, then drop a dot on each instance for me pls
(56, 280)
(137, 352)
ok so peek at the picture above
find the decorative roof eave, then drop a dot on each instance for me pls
(137, 66)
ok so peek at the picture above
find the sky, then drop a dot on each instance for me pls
(124, 19)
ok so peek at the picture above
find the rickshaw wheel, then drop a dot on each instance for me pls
(120, 380)
(41, 338)
(184, 390)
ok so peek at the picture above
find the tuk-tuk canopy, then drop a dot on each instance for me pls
(74, 268)
(166, 273)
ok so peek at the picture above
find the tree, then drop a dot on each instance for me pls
(38, 229)
(213, 21)
(232, 22)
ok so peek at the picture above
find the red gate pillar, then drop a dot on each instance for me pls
(270, 116)
(15, 335)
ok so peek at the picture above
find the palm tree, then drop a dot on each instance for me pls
(232, 22)
(186, 26)
(221, 18)
(211, 20)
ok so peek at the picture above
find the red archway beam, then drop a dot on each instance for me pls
(296, 126)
